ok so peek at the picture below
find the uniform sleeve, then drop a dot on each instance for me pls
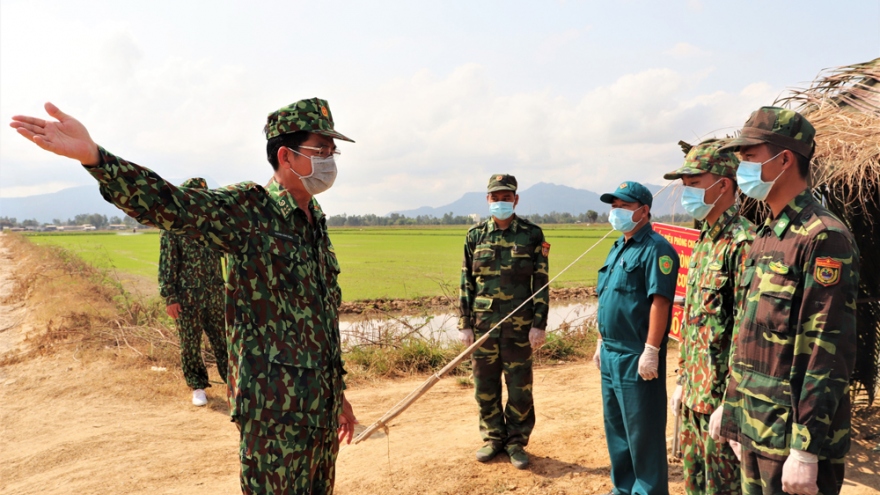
(825, 342)
(219, 219)
(540, 276)
(737, 260)
(468, 286)
(169, 259)
(661, 271)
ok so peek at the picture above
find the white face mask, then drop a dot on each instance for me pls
(323, 174)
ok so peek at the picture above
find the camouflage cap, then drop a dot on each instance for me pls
(501, 182)
(312, 115)
(778, 126)
(631, 192)
(195, 183)
(707, 157)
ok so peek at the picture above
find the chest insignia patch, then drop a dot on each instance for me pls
(777, 267)
(545, 248)
(665, 264)
(827, 271)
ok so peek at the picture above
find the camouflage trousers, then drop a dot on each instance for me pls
(709, 468)
(763, 476)
(279, 459)
(198, 315)
(508, 353)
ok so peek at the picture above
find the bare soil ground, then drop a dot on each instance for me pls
(73, 421)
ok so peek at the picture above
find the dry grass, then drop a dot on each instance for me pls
(74, 305)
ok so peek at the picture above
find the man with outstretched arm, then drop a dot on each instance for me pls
(285, 366)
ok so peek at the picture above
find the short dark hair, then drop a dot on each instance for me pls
(291, 140)
(803, 163)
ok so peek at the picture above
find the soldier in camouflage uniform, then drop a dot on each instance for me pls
(714, 298)
(505, 262)
(636, 286)
(190, 280)
(285, 366)
(788, 398)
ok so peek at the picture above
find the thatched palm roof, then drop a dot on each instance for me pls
(843, 104)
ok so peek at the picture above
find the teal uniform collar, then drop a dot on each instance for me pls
(640, 235)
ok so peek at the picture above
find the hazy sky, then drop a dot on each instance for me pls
(438, 95)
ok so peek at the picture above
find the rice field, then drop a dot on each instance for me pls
(380, 262)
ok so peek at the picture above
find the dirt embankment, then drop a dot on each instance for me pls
(101, 421)
(441, 304)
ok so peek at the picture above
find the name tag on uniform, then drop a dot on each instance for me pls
(715, 266)
(283, 235)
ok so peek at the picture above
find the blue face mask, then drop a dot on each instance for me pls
(693, 199)
(502, 210)
(622, 220)
(748, 175)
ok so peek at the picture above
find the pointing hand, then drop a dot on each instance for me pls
(65, 136)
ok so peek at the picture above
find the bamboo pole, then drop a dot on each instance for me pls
(433, 379)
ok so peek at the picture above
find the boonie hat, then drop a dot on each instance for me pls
(501, 182)
(707, 157)
(631, 192)
(778, 126)
(312, 115)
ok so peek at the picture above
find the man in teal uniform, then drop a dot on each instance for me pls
(636, 287)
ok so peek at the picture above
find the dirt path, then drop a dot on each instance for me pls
(74, 424)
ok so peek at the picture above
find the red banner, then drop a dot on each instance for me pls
(683, 240)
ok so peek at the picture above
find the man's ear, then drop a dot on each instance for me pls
(515, 200)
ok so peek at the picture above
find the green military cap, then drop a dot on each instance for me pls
(195, 183)
(708, 157)
(779, 126)
(501, 182)
(631, 192)
(312, 115)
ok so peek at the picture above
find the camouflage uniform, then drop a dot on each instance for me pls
(285, 366)
(190, 275)
(501, 269)
(789, 385)
(712, 306)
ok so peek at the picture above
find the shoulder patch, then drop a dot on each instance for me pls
(545, 248)
(665, 264)
(827, 271)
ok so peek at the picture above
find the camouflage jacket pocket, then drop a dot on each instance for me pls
(296, 391)
(774, 307)
(484, 260)
(482, 304)
(765, 412)
(712, 292)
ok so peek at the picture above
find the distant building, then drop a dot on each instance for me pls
(475, 217)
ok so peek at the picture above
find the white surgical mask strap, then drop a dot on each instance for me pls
(310, 162)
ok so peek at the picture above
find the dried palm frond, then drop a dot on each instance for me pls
(843, 104)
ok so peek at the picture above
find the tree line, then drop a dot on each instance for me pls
(96, 219)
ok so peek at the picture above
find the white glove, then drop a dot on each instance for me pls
(597, 356)
(536, 337)
(675, 400)
(715, 425)
(649, 362)
(466, 335)
(799, 473)
(736, 447)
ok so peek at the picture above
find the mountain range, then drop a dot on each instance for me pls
(541, 198)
